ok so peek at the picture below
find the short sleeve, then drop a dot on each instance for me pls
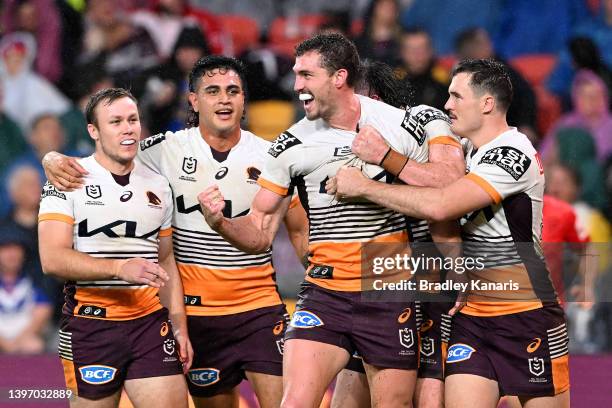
(55, 205)
(502, 172)
(166, 226)
(437, 127)
(151, 152)
(277, 172)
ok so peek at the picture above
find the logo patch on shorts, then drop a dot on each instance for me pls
(193, 300)
(536, 366)
(428, 346)
(164, 329)
(97, 374)
(404, 316)
(92, 311)
(406, 337)
(427, 324)
(280, 344)
(305, 320)
(285, 141)
(459, 352)
(534, 345)
(203, 377)
(321, 272)
(512, 161)
(278, 327)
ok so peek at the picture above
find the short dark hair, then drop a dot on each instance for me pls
(489, 76)
(378, 78)
(108, 96)
(337, 52)
(207, 64)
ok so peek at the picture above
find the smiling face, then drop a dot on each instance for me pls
(312, 79)
(219, 101)
(116, 131)
(464, 106)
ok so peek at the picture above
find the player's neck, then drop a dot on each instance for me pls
(113, 166)
(488, 132)
(348, 113)
(221, 142)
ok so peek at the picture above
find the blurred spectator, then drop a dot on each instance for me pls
(26, 94)
(11, 139)
(475, 43)
(41, 19)
(125, 51)
(379, 40)
(599, 29)
(582, 54)
(446, 19)
(164, 104)
(24, 309)
(536, 27)
(418, 67)
(591, 112)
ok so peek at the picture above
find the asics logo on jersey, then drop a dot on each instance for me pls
(282, 143)
(129, 230)
(305, 320)
(221, 173)
(511, 160)
(459, 352)
(204, 377)
(97, 374)
(126, 196)
(533, 346)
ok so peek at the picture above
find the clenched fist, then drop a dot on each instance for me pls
(369, 145)
(212, 204)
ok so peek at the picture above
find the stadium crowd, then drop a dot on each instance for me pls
(55, 54)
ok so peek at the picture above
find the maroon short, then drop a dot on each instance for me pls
(99, 355)
(434, 324)
(227, 346)
(526, 352)
(383, 333)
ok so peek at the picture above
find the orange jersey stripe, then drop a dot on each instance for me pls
(56, 217)
(491, 191)
(228, 291)
(70, 376)
(120, 303)
(165, 232)
(446, 140)
(488, 309)
(268, 185)
(560, 374)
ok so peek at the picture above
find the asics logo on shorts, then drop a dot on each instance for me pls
(533, 346)
(404, 316)
(97, 374)
(305, 320)
(459, 352)
(203, 377)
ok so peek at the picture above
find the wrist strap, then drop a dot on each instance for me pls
(394, 162)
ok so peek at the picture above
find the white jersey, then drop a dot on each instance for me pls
(310, 152)
(218, 279)
(508, 232)
(112, 221)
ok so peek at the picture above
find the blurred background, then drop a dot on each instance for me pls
(55, 53)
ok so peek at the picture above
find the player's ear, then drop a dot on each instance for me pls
(340, 77)
(93, 132)
(193, 101)
(488, 104)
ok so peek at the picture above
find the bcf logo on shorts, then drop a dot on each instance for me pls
(305, 320)
(97, 374)
(203, 377)
(459, 352)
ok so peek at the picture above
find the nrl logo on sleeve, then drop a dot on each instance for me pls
(282, 143)
(152, 141)
(511, 160)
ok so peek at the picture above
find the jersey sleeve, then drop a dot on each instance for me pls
(502, 172)
(151, 152)
(166, 226)
(280, 164)
(437, 128)
(56, 205)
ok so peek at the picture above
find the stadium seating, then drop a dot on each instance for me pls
(243, 30)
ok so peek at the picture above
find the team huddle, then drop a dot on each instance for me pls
(165, 246)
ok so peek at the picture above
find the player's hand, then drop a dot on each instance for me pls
(185, 350)
(212, 203)
(64, 172)
(349, 182)
(460, 302)
(142, 271)
(369, 145)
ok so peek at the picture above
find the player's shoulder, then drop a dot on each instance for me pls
(254, 141)
(293, 138)
(425, 114)
(378, 108)
(512, 152)
(168, 138)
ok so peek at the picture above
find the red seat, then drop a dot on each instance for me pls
(284, 36)
(535, 68)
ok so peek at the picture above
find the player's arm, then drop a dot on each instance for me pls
(296, 222)
(445, 159)
(59, 259)
(435, 204)
(172, 297)
(252, 233)
(64, 172)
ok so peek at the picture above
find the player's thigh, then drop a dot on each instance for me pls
(267, 387)
(390, 387)
(561, 400)
(351, 390)
(308, 369)
(468, 390)
(111, 401)
(229, 398)
(158, 392)
(429, 393)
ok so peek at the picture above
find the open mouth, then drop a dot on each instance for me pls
(128, 142)
(306, 98)
(224, 113)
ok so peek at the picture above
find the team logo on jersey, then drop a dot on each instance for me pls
(50, 190)
(154, 200)
(203, 377)
(190, 165)
(536, 366)
(253, 174)
(285, 141)
(534, 345)
(97, 374)
(428, 346)
(92, 311)
(406, 337)
(93, 191)
(152, 141)
(126, 196)
(459, 352)
(305, 320)
(511, 160)
(404, 316)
